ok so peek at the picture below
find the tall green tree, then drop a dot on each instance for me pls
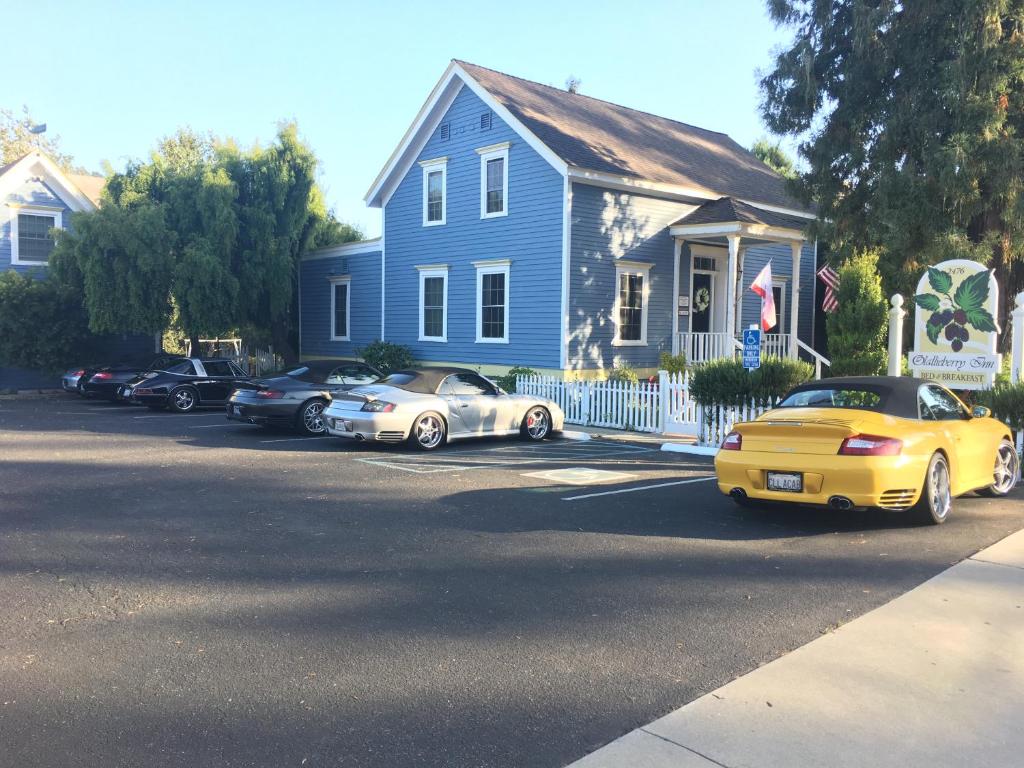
(910, 118)
(205, 236)
(856, 330)
(17, 139)
(775, 157)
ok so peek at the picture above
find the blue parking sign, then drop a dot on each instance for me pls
(752, 348)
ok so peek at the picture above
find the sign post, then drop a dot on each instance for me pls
(752, 348)
(954, 325)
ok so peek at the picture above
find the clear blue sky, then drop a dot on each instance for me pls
(112, 78)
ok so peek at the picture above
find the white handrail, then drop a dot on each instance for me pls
(819, 360)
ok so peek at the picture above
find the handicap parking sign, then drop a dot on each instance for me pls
(752, 348)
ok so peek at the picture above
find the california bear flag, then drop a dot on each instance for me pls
(762, 286)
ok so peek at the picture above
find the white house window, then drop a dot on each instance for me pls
(433, 302)
(31, 239)
(631, 298)
(493, 180)
(492, 300)
(340, 308)
(435, 193)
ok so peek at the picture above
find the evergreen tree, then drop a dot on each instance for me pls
(774, 156)
(911, 117)
(856, 330)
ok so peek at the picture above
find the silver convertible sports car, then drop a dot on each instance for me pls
(430, 406)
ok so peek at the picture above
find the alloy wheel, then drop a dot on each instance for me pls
(938, 489)
(538, 424)
(313, 418)
(1006, 469)
(429, 431)
(184, 400)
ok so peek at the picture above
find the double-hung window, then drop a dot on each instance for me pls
(31, 237)
(341, 290)
(435, 191)
(494, 180)
(492, 301)
(632, 291)
(433, 302)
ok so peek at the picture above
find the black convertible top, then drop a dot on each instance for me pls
(898, 393)
(422, 380)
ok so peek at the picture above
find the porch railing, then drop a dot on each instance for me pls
(704, 347)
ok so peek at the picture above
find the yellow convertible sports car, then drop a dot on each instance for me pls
(873, 441)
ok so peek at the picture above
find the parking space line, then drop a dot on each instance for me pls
(216, 426)
(181, 416)
(293, 439)
(638, 488)
(76, 413)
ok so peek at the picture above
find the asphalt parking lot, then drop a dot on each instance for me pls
(185, 591)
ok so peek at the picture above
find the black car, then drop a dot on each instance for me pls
(107, 382)
(296, 398)
(188, 384)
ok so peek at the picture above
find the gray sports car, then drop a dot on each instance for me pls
(430, 406)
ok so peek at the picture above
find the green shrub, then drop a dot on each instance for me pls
(624, 373)
(727, 382)
(1006, 402)
(672, 363)
(508, 381)
(857, 329)
(43, 325)
(387, 357)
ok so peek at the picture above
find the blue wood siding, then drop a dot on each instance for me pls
(530, 235)
(315, 306)
(782, 266)
(608, 226)
(30, 193)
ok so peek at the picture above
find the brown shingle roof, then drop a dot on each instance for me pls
(91, 186)
(727, 210)
(600, 136)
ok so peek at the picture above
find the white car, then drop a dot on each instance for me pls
(430, 406)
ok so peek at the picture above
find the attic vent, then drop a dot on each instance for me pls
(485, 121)
(445, 131)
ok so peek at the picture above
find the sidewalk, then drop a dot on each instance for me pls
(933, 678)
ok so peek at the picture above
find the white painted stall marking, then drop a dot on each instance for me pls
(638, 488)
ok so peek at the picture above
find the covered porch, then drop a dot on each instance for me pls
(713, 275)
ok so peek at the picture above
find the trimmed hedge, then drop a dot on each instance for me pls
(727, 382)
(387, 357)
(1006, 401)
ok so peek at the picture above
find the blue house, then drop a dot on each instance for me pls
(37, 197)
(527, 225)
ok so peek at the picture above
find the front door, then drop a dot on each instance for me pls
(702, 301)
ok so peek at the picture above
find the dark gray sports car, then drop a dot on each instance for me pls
(296, 398)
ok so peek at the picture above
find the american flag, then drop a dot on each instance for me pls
(830, 278)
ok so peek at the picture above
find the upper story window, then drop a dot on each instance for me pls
(435, 193)
(31, 237)
(493, 180)
(340, 306)
(433, 302)
(632, 283)
(492, 300)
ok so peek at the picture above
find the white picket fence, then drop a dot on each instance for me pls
(661, 406)
(257, 362)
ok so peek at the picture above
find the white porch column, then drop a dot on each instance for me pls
(794, 301)
(730, 289)
(741, 257)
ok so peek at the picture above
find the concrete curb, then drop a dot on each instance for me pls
(572, 434)
(696, 450)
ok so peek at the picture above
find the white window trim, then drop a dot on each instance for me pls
(56, 214)
(492, 267)
(493, 152)
(335, 281)
(640, 269)
(780, 282)
(433, 270)
(430, 166)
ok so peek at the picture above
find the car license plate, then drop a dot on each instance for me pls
(786, 481)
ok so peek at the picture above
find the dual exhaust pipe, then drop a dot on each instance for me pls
(835, 502)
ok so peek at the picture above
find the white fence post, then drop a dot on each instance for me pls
(896, 315)
(1017, 340)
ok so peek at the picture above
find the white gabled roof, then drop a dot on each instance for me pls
(36, 164)
(455, 77)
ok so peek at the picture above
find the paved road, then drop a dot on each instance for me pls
(180, 591)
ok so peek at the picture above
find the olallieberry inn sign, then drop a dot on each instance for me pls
(954, 325)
